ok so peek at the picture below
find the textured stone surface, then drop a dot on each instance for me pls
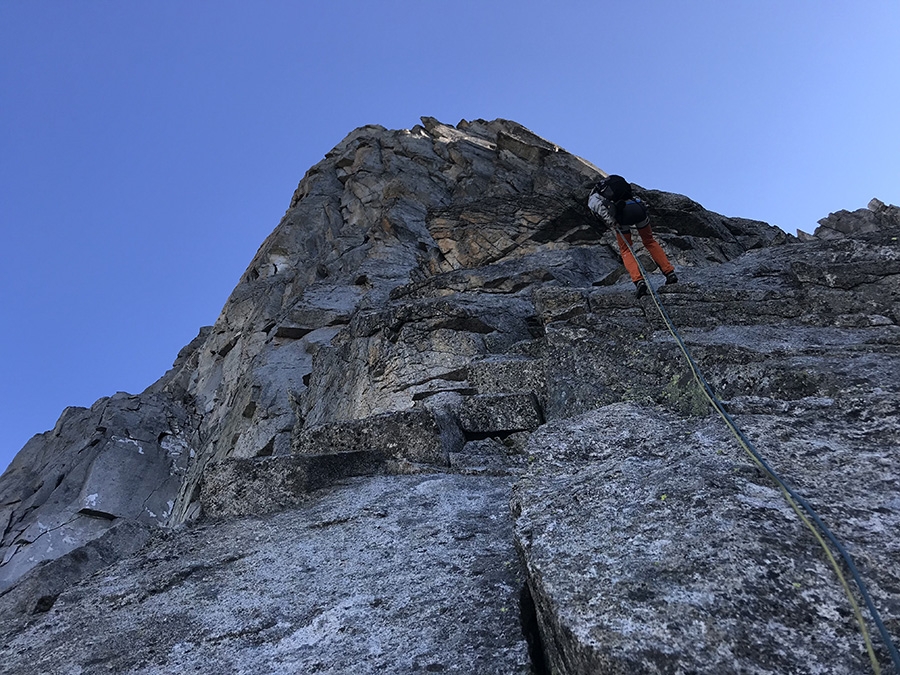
(439, 299)
(399, 574)
(404, 255)
(123, 458)
(875, 217)
(489, 456)
(495, 375)
(413, 435)
(653, 544)
(500, 413)
(234, 487)
(37, 590)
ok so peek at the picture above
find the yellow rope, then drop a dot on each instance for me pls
(737, 434)
(790, 500)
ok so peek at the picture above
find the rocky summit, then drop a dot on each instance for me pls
(434, 430)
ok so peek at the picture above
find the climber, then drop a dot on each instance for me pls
(615, 204)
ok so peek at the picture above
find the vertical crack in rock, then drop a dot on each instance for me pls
(532, 631)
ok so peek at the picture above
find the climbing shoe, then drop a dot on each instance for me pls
(671, 278)
(642, 289)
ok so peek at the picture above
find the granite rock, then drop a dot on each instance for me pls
(652, 544)
(321, 482)
(388, 574)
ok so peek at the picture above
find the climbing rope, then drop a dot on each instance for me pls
(801, 507)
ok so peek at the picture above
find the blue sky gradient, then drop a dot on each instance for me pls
(148, 147)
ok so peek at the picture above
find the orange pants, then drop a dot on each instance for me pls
(653, 248)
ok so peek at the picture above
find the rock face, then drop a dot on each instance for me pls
(122, 459)
(407, 574)
(436, 331)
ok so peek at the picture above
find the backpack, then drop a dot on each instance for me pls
(632, 212)
(614, 188)
(628, 210)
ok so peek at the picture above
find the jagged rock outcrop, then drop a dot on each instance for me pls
(876, 217)
(435, 330)
(123, 459)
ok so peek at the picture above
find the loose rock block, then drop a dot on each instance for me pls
(411, 435)
(267, 484)
(507, 375)
(500, 413)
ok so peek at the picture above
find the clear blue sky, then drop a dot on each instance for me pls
(148, 147)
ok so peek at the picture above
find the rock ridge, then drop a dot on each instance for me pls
(437, 359)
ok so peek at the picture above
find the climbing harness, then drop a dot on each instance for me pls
(801, 507)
